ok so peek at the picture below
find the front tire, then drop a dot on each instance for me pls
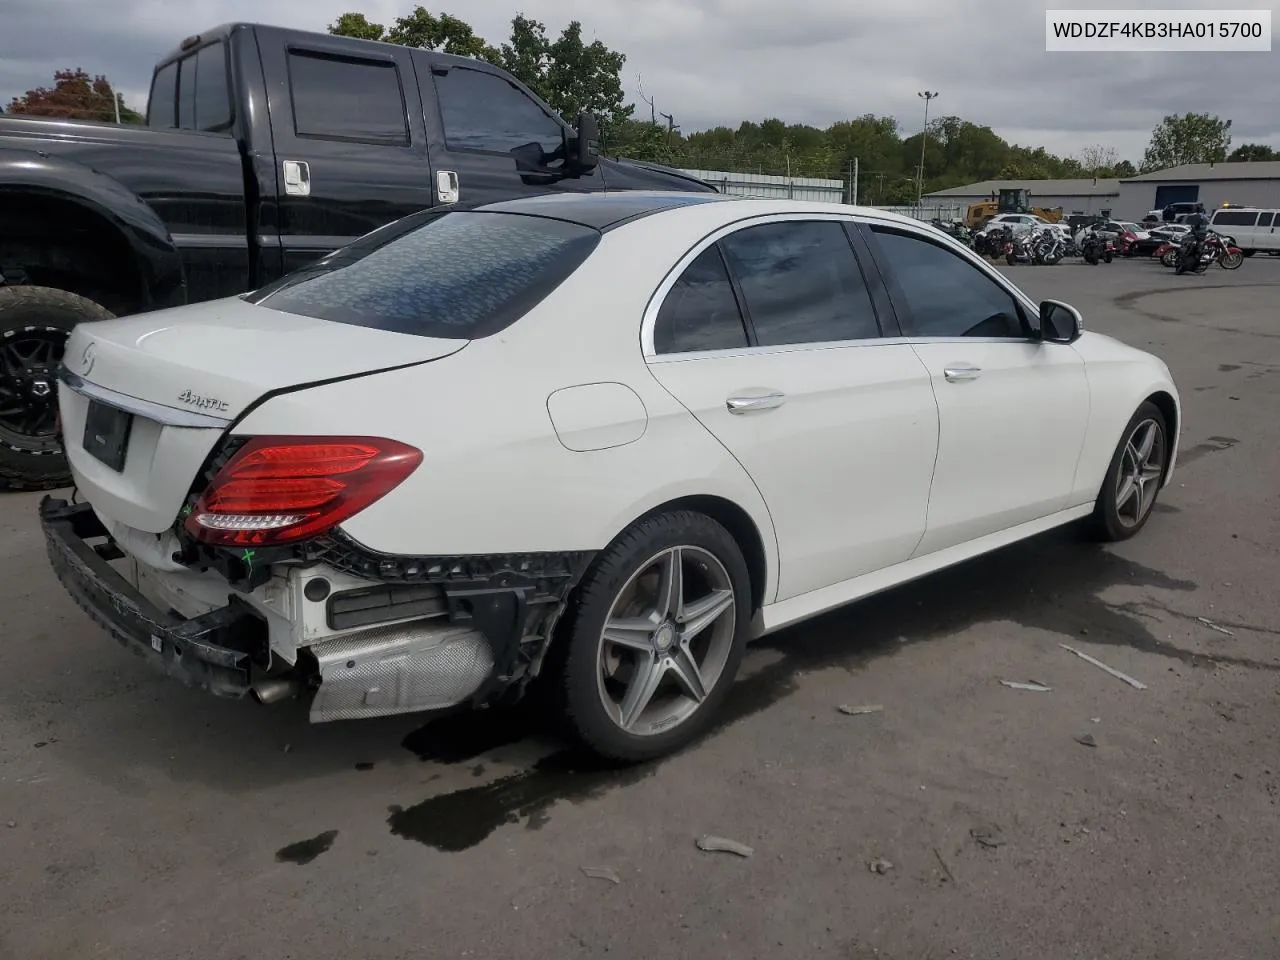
(655, 636)
(1232, 261)
(34, 325)
(1133, 479)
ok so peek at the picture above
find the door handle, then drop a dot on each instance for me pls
(956, 374)
(762, 401)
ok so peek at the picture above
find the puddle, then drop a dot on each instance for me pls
(304, 851)
(1212, 445)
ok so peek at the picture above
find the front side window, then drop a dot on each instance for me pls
(946, 295)
(801, 283)
(1234, 218)
(458, 275)
(347, 98)
(162, 103)
(1265, 219)
(483, 111)
(701, 311)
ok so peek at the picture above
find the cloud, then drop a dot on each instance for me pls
(713, 62)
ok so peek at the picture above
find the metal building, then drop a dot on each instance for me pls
(1082, 196)
(1242, 184)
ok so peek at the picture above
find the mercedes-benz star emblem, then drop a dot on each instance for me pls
(86, 360)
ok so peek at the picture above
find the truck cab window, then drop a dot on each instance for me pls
(187, 93)
(212, 92)
(346, 98)
(483, 111)
(162, 103)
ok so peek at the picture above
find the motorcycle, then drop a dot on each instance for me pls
(1126, 243)
(1020, 249)
(1192, 256)
(991, 243)
(1094, 248)
(1048, 248)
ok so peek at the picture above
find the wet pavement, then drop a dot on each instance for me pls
(968, 819)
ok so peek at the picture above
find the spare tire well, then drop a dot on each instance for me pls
(53, 242)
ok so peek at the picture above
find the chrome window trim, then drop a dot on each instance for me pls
(923, 232)
(168, 416)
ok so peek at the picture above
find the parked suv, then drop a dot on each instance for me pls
(1254, 229)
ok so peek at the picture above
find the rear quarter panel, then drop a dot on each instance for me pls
(495, 477)
(1121, 377)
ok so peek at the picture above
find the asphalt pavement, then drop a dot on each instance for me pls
(966, 819)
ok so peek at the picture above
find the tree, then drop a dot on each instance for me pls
(1253, 152)
(358, 26)
(1190, 138)
(74, 96)
(1098, 160)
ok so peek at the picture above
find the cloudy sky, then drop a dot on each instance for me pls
(722, 61)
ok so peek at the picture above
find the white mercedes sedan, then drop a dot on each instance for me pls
(605, 440)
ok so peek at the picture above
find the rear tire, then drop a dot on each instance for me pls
(619, 629)
(34, 325)
(1133, 479)
(1010, 259)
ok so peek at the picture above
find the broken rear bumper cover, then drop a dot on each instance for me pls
(406, 634)
(214, 652)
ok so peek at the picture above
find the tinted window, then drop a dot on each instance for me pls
(945, 294)
(701, 311)
(801, 283)
(212, 95)
(187, 93)
(347, 99)
(160, 105)
(1265, 219)
(456, 275)
(1234, 218)
(483, 111)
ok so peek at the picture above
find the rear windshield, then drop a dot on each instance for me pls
(457, 275)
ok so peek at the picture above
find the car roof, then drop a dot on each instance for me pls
(602, 210)
(606, 211)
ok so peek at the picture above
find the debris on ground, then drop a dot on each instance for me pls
(879, 865)
(987, 837)
(1213, 626)
(288, 747)
(712, 844)
(602, 873)
(859, 711)
(942, 863)
(1029, 685)
(1086, 740)
(11, 824)
(1136, 684)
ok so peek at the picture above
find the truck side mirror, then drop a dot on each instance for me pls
(584, 149)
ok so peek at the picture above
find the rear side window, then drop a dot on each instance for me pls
(1265, 219)
(187, 93)
(1234, 218)
(483, 111)
(162, 104)
(701, 311)
(801, 283)
(212, 94)
(344, 98)
(459, 275)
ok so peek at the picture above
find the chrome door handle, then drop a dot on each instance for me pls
(765, 401)
(954, 374)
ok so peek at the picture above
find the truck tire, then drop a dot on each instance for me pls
(34, 325)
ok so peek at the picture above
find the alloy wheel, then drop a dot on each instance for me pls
(1141, 469)
(28, 377)
(666, 640)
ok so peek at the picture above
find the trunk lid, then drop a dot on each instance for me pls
(180, 377)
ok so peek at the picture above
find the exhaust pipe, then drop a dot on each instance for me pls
(273, 690)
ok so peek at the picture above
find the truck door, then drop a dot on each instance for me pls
(349, 140)
(490, 139)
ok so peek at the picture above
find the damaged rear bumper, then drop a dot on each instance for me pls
(215, 652)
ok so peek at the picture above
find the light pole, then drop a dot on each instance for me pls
(924, 138)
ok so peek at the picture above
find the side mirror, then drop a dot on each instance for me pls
(584, 148)
(1060, 322)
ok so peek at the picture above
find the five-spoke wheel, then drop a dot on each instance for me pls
(1135, 476)
(655, 635)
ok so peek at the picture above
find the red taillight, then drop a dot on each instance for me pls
(278, 490)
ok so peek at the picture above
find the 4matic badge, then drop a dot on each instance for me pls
(202, 403)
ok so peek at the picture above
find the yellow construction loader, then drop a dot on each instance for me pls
(1007, 201)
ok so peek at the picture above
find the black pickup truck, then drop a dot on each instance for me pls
(264, 149)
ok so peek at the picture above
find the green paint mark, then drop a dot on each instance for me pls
(248, 559)
(186, 511)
